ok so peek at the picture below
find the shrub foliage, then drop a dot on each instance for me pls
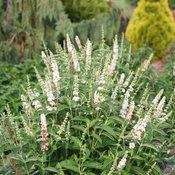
(82, 9)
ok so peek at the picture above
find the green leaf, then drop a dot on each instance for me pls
(97, 137)
(83, 119)
(157, 168)
(147, 145)
(109, 136)
(137, 157)
(93, 122)
(117, 119)
(108, 129)
(138, 170)
(31, 160)
(70, 165)
(77, 127)
(17, 157)
(51, 169)
(75, 140)
(107, 163)
(94, 165)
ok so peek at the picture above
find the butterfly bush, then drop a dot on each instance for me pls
(90, 113)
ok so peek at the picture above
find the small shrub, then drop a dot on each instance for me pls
(90, 113)
(82, 9)
(152, 24)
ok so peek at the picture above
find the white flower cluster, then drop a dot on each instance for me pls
(128, 80)
(69, 44)
(131, 145)
(77, 39)
(37, 105)
(159, 109)
(33, 95)
(114, 57)
(76, 97)
(130, 111)
(146, 63)
(73, 55)
(122, 162)
(75, 60)
(116, 89)
(50, 84)
(121, 79)
(49, 92)
(63, 127)
(55, 73)
(155, 112)
(157, 98)
(125, 104)
(101, 80)
(26, 105)
(98, 97)
(139, 128)
(44, 133)
(46, 61)
(88, 55)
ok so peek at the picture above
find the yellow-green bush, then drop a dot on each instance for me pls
(151, 24)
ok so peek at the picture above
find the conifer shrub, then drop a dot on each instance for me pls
(83, 9)
(152, 24)
(90, 113)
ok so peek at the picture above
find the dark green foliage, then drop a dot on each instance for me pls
(12, 76)
(92, 28)
(172, 3)
(85, 9)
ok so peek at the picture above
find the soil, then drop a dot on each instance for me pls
(158, 65)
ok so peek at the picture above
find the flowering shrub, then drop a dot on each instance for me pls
(90, 114)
